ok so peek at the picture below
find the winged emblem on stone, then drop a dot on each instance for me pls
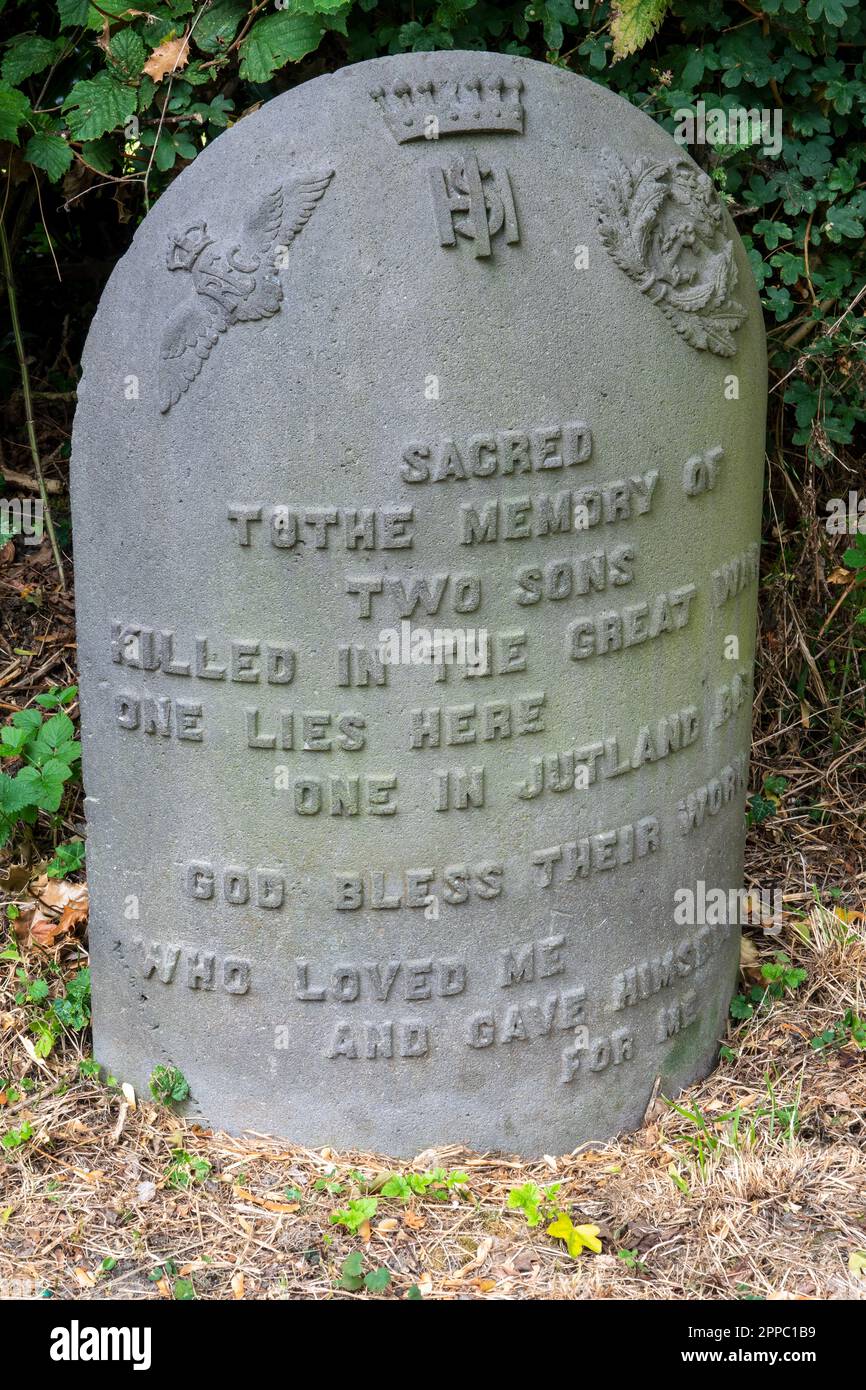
(231, 283)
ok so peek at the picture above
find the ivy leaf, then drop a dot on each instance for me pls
(50, 152)
(97, 105)
(275, 40)
(14, 111)
(27, 54)
(377, 1280)
(634, 23)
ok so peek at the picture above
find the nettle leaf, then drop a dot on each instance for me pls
(97, 105)
(218, 25)
(12, 741)
(29, 719)
(329, 6)
(48, 151)
(14, 111)
(14, 794)
(275, 40)
(72, 13)
(44, 785)
(108, 9)
(99, 155)
(127, 52)
(27, 54)
(634, 23)
(58, 729)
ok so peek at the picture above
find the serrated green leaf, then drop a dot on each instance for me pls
(15, 794)
(12, 740)
(72, 13)
(218, 25)
(634, 23)
(49, 152)
(128, 52)
(315, 6)
(27, 54)
(276, 40)
(58, 729)
(29, 719)
(97, 105)
(14, 111)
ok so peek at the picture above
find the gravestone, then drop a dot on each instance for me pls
(417, 485)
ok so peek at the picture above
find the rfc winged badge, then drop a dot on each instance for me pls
(231, 284)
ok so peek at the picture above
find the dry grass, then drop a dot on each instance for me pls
(762, 1194)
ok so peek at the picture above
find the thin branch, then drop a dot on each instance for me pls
(28, 402)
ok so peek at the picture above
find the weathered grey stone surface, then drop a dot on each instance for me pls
(511, 380)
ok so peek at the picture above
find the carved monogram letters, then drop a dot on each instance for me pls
(475, 200)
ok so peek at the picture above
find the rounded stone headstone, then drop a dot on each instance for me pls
(417, 485)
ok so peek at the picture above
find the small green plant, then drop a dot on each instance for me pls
(766, 802)
(68, 859)
(850, 1028)
(168, 1085)
(631, 1261)
(329, 1185)
(48, 755)
(186, 1169)
(353, 1216)
(536, 1203)
(73, 1009)
(436, 1184)
(353, 1278)
(47, 1016)
(14, 1138)
(780, 978)
(576, 1238)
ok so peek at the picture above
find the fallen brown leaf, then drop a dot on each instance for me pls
(169, 57)
(265, 1203)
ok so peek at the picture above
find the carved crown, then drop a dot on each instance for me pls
(184, 248)
(473, 104)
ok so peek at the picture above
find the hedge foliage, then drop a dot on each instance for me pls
(103, 102)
